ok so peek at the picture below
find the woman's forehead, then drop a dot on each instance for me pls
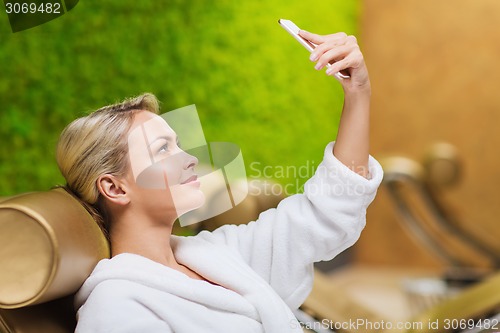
(151, 123)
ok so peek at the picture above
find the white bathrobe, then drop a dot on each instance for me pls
(260, 271)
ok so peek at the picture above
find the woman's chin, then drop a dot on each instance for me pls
(195, 200)
(199, 200)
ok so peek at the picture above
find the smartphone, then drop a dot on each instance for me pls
(293, 30)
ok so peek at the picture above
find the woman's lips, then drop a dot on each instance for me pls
(190, 179)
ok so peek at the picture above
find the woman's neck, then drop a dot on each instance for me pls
(147, 239)
(137, 234)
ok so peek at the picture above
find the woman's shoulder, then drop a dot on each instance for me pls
(122, 277)
(113, 290)
(107, 292)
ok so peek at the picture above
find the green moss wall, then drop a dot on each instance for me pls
(252, 83)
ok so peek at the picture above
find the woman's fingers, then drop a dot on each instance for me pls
(334, 50)
(333, 55)
(315, 38)
(340, 53)
(319, 39)
(331, 42)
(348, 62)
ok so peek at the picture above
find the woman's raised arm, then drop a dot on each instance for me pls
(342, 52)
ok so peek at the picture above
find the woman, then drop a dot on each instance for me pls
(243, 278)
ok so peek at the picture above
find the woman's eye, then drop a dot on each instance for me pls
(163, 148)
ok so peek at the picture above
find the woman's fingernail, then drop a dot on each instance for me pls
(313, 57)
(317, 66)
(329, 71)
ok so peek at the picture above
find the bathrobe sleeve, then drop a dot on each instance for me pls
(283, 243)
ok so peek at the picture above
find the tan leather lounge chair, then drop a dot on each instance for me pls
(49, 244)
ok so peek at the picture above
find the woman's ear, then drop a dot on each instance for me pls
(112, 189)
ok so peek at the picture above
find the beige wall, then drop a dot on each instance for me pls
(435, 70)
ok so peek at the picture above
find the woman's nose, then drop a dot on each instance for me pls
(190, 162)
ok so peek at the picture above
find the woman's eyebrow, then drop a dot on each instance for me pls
(164, 137)
(161, 137)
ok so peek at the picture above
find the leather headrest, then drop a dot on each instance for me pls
(49, 246)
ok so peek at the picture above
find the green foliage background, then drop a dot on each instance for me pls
(252, 83)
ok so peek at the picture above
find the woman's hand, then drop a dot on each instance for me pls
(343, 54)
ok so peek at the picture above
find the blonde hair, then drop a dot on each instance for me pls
(95, 145)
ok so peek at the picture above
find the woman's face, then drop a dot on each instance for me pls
(162, 173)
